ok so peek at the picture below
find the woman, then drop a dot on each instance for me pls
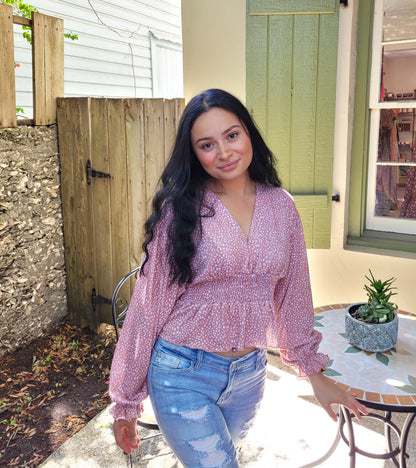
(224, 277)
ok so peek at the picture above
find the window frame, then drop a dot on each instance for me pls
(359, 236)
(380, 223)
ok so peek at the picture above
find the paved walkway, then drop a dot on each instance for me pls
(290, 431)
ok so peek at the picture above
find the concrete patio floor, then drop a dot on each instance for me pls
(291, 430)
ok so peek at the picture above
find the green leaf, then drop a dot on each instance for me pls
(407, 388)
(331, 372)
(344, 335)
(383, 358)
(352, 349)
(317, 318)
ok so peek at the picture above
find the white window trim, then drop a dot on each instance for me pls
(376, 62)
(382, 223)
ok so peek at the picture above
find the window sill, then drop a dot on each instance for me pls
(384, 243)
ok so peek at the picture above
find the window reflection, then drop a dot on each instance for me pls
(396, 179)
(387, 175)
(398, 79)
(408, 206)
(396, 158)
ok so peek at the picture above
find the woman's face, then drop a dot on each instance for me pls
(222, 145)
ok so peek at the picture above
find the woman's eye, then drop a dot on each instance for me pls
(207, 146)
(233, 135)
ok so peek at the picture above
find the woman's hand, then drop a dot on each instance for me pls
(328, 393)
(126, 434)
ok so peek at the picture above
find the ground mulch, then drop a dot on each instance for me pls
(50, 389)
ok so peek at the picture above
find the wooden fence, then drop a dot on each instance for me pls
(47, 66)
(112, 152)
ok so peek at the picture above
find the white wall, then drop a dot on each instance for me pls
(112, 56)
(214, 46)
(337, 274)
(400, 71)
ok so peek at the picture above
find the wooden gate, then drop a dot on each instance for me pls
(112, 153)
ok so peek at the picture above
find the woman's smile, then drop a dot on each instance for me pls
(228, 166)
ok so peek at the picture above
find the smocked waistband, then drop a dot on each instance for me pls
(242, 288)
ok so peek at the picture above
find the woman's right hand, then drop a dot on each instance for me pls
(126, 434)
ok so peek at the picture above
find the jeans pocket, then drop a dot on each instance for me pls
(166, 359)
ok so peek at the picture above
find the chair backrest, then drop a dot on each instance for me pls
(120, 304)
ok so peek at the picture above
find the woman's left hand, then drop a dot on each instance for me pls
(328, 393)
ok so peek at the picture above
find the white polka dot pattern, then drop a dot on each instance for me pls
(246, 292)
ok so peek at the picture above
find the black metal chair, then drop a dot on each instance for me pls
(119, 306)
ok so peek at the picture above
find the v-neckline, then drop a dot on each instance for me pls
(236, 223)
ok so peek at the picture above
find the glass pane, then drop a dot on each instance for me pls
(396, 192)
(396, 184)
(399, 51)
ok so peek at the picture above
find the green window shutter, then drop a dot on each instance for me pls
(291, 79)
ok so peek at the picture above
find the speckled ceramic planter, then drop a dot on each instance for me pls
(374, 337)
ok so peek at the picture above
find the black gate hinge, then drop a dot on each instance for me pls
(97, 300)
(336, 198)
(93, 173)
(344, 2)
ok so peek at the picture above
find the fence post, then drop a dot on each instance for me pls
(48, 66)
(7, 83)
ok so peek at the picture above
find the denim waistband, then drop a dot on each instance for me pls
(199, 355)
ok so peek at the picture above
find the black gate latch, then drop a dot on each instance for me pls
(93, 173)
(97, 300)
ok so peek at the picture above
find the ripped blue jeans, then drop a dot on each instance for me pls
(205, 403)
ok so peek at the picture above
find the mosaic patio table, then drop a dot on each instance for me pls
(383, 381)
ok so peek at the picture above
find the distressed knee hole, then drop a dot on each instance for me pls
(211, 454)
(246, 427)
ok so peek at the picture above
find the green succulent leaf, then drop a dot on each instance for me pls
(378, 308)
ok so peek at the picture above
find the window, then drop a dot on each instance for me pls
(391, 183)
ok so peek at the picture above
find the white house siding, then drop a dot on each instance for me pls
(113, 55)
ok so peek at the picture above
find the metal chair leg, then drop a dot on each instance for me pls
(330, 451)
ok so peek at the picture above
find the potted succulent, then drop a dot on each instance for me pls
(373, 326)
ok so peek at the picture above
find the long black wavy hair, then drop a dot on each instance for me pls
(183, 181)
